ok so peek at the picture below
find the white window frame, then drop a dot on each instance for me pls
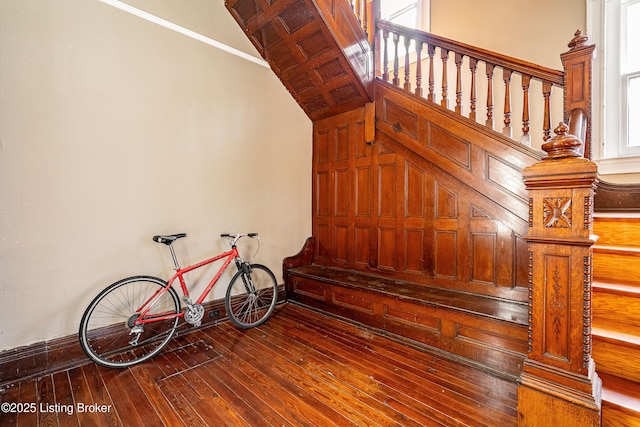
(610, 99)
(423, 8)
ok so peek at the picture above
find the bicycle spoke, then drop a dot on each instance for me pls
(105, 330)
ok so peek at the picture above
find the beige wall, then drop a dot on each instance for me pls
(535, 31)
(113, 129)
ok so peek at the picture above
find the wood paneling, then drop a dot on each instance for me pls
(418, 203)
(487, 331)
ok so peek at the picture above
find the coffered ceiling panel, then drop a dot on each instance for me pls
(303, 52)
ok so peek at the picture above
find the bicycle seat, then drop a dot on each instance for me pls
(168, 239)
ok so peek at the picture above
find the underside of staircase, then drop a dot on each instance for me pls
(325, 60)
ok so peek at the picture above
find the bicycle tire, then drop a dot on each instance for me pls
(106, 323)
(251, 296)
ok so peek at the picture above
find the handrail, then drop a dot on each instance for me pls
(539, 72)
(412, 45)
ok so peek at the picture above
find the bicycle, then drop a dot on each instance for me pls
(132, 320)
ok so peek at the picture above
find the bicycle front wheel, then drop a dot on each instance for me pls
(251, 296)
(108, 333)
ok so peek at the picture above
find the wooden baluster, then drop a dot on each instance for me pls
(506, 76)
(365, 19)
(419, 67)
(489, 73)
(385, 54)
(473, 98)
(407, 65)
(396, 79)
(459, 57)
(431, 50)
(526, 138)
(444, 55)
(546, 128)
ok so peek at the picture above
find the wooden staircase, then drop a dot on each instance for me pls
(326, 62)
(616, 316)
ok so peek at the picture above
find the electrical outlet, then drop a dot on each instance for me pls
(214, 313)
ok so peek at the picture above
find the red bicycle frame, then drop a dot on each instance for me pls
(148, 304)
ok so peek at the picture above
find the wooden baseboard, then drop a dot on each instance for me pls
(64, 353)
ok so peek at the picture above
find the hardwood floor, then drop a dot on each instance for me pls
(300, 368)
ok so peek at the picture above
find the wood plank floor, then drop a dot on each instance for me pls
(301, 368)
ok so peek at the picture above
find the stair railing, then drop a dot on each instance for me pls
(407, 52)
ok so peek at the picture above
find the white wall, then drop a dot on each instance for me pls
(113, 129)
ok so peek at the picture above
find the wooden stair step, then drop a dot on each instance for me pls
(618, 289)
(617, 229)
(616, 307)
(620, 401)
(617, 353)
(615, 263)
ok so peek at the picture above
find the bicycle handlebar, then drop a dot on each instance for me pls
(234, 239)
(237, 236)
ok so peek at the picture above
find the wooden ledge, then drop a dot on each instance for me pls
(496, 308)
(621, 393)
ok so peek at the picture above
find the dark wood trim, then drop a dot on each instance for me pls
(63, 353)
(612, 197)
(488, 333)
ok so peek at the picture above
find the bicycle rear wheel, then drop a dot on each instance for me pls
(107, 331)
(251, 296)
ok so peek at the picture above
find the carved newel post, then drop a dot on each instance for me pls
(559, 385)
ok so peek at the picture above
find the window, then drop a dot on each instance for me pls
(620, 37)
(408, 13)
(630, 76)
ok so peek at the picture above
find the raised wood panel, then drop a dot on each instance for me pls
(450, 146)
(406, 314)
(414, 251)
(498, 345)
(484, 161)
(323, 242)
(446, 252)
(400, 214)
(342, 143)
(321, 146)
(387, 248)
(342, 179)
(414, 192)
(505, 176)
(342, 245)
(363, 191)
(484, 253)
(387, 190)
(300, 45)
(323, 196)
(446, 203)
(362, 247)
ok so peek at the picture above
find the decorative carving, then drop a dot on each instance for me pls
(563, 144)
(579, 40)
(586, 312)
(530, 212)
(557, 304)
(530, 329)
(588, 212)
(557, 212)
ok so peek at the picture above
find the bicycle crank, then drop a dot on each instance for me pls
(193, 314)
